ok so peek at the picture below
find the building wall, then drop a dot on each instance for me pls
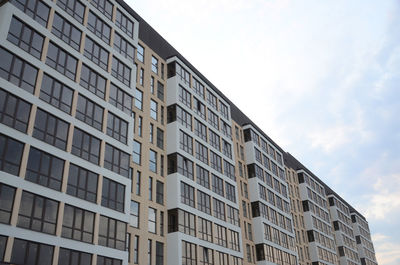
(248, 245)
(296, 208)
(362, 233)
(209, 201)
(65, 191)
(149, 185)
(269, 200)
(344, 235)
(94, 162)
(317, 220)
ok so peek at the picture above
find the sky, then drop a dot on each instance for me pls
(321, 78)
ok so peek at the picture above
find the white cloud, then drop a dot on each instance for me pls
(387, 251)
(384, 203)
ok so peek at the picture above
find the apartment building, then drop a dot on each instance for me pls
(365, 246)
(344, 235)
(114, 149)
(269, 200)
(66, 136)
(296, 207)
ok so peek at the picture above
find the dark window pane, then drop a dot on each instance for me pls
(10, 154)
(44, 169)
(14, 112)
(36, 9)
(38, 213)
(17, 71)
(25, 37)
(31, 253)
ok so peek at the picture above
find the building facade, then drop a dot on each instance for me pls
(114, 149)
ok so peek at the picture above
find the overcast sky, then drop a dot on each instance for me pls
(322, 78)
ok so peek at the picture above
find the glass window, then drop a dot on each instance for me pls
(112, 233)
(215, 161)
(184, 117)
(135, 212)
(153, 109)
(89, 112)
(185, 142)
(36, 9)
(153, 161)
(224, 110)
(117, 128)
(73, 257)
(189, 253)
(198, 88)
(214, 140)
(230, 192)
(93, 81)
(32, 253)
(152, 223)
(200, 129)
(25, 37)
(202, 177)
(124, 23)
(99, 27)
(74, 8)
(61, 61)
(6, 204)
(10, 155)
(185, 97)
(226, 129)
(140, 53)
(116, 161)
(104, 6)
(14, 112)
(159, 192)
(180, 164)
(3, 243)
(17, 71)
(227, 149)
(56, 93)
(38, 213)
(86, 146)
(201, 152)
(154, 64)
(212, 99)
(203, 202)
(160, 138)
(96, 53)
(229, 170)
(160, 90)
(82, 183)
(199, 108)
(213, 119)
(67, 32)
(233, 215)
(51, 129)
(141, 76)
(122, 46)
(107, 261)
(187, 194)
(137, 152)
(159, 253)
(44, 169)
(183, 74)
(78, 224)
(205, 229)
(150, 188)
(138, 99)
(113, 195)
(120, 99)
(121, 71)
